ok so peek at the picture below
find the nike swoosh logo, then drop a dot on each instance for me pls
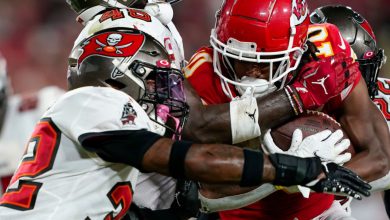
(342, 46)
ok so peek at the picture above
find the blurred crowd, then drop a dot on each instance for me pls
(37, 36)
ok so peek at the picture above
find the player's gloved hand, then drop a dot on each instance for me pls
(340, 181)
(326, 145)
(320, 80)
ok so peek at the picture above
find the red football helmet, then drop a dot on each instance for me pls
(268, 31)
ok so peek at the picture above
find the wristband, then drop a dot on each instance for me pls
(252, 173)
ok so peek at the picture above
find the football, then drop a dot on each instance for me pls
(310, 123)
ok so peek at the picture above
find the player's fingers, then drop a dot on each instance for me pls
(335, 137)
(343, 158)
(270, 144)
(296, 139)
(322, 135)
(342, 146)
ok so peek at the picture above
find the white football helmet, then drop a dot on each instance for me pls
(136, 19)
(162, 10)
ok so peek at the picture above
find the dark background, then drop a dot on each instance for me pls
(37, 35)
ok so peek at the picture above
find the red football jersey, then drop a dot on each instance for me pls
(329, 42)
(279, 205)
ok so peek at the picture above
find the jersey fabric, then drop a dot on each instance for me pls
(58, 178)
(329, 41)
(279, 205)
(22, 114)
(382, 99)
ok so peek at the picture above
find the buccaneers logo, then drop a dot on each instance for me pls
(128, 114)
(112, 44)
(300, 9)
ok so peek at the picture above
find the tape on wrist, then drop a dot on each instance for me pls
(244, 119)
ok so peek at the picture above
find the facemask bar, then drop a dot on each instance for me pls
(165, 92)
(281, 57)
(370, 69)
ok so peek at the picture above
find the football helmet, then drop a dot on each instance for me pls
(137, 64)
(136, 19)
(359, 34)
(269, 32)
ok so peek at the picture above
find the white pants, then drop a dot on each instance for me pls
(335, 212)
(369, 208)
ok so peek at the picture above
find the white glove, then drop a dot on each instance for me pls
(326, 145)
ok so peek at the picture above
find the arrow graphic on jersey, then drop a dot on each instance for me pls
(342, 45)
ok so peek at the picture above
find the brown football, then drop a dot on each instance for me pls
(310, 123)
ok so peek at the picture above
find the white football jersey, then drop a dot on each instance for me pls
(58, 178)
(23, 112)
(382, 100)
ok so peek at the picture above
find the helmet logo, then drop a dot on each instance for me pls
(299, 10)
(368, 55)
(111, 44)
(112, 41)
(129, 114)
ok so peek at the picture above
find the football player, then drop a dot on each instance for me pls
(270, 45)
(124, 95)
(18, 115)
(359, 34)
(211, 129)
(155, 192)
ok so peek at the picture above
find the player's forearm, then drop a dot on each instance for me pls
(370, 137)
(205, 163)
(213, 123)
(275, 109)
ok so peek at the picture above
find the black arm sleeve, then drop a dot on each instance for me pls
(125, 146)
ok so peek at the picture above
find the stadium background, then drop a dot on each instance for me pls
(37, 36)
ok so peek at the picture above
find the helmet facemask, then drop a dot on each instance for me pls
(163, 96)
(370, 69)
(280, 64)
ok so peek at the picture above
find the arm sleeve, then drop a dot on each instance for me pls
(128, 147)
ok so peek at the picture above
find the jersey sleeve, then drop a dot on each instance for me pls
(96, 110)
(329, 41)
(200, 74)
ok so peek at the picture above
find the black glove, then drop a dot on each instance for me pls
(340, 180)
(186, 203)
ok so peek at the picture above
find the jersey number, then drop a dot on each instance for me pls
(38, 159)
(325, 49)
(120, 194)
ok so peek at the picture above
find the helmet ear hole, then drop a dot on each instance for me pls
(115, 84)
